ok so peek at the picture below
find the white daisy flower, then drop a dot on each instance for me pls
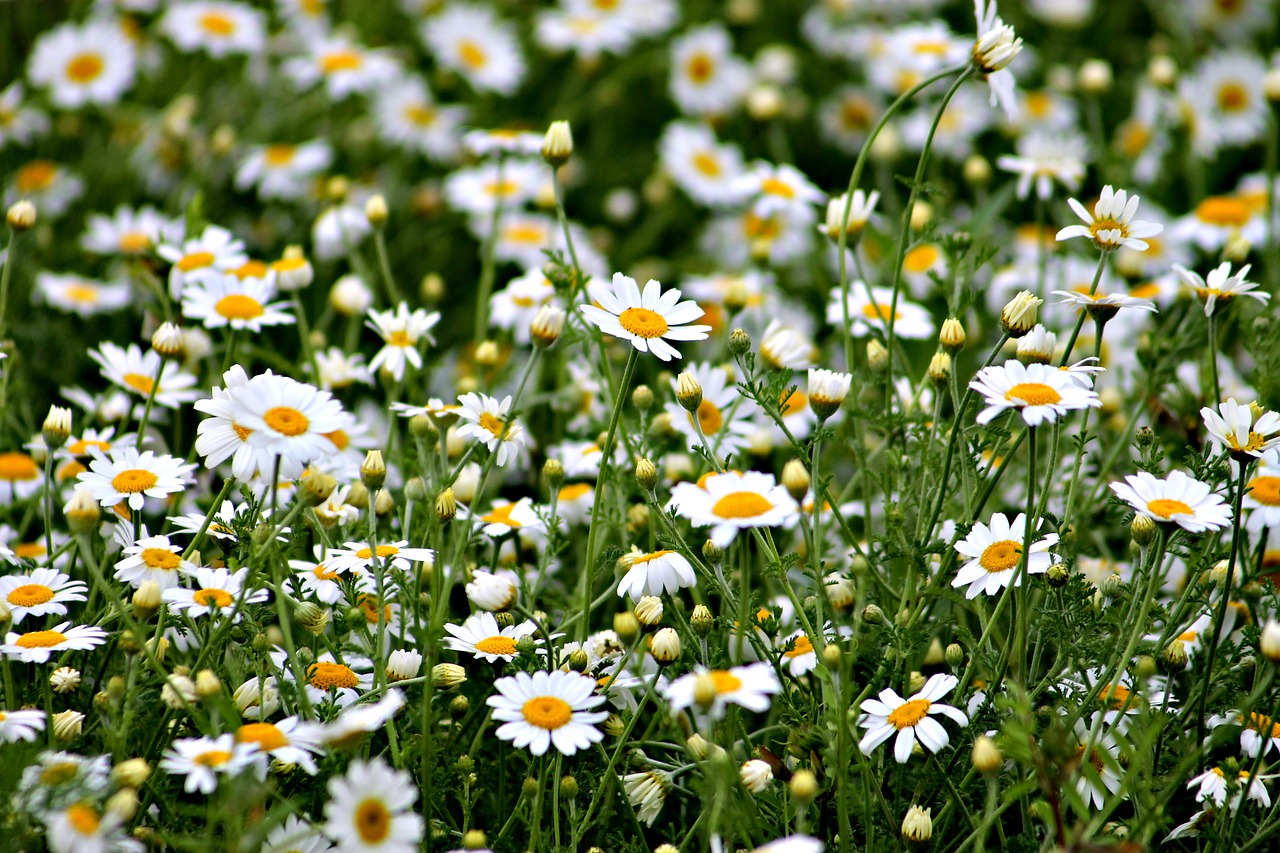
(359, 557)
(336, 228)
(359, 719)
(19, 122)
(284, 171)
(647, 319)
(215, 250)
(50, 187)
(749, 686)
(706, 169)
(345, 67)
(792, 844)
(496, 142)
(228, 300)
(291, 741)
(654, 573)
(647, 793)
(21, 725)
(39, 646)
(910, 719)
(869, 310)
(92, 63)
(40, 593)
(480, 635)
(548, 708)
(1218, 219)
(371, 808)
(779, 189)
(284, 418)
(409, 117)
(319, 578)
(295, 836)
(1221, 285)
(473, 41)
(79, 828)
(994, 553)
(202, 760)
(478, 190)
(487, 421)
(784, 347)
(706, 77)
(79, 295)
(1039, 392)
(494, 591)
(136, 372)
(509, 517)
(153, 558)
(1111, 225)
(1234, 429)
(1099, 767)
(1046, 157)
(731, 502)
(20, 476)
(215, 590)
(725, 416)
(401, 331)
(1225, 95)
(127, 476)
(1262, 498)
(216, 27)
(1177, 499)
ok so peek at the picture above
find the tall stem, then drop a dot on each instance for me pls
(1021, 616)
(6, 273)
(1093, 288)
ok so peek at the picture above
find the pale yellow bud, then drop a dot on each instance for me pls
(169, 342)
(917, 825)
(546, 326)
(1095, 76)
(689, 391)
(375, 210)
(67, 726)
(795, 477)
(146, 599)
(21, 215)
(557, 143)
(940, 368)
(132, 773)
(374, 471)
(648, 611)
(952, 336)
(208, 684)
(1019, 315)
(665, 646)
(987, 758)
(447, 675)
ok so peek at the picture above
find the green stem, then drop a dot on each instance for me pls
(384, 265)
(1022, 617)
(1093, 288)
(6, 274)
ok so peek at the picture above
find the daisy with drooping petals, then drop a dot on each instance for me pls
(473, 41)
(135, 372)
(401, 330)
(994, 553)
(40, 593)
(654, 573)
(749, 686)
(481, 636)
(92, 63)
(217, 27)
(202, 760)
(648, 319)
(127, 476)
(731, 502)
(153, 558)
(910, 719)
(21, 725)
(39, 646)
(1234, 429)
(487, 421)
(548, 708)
(1178, 499)
(1039, 392)
(1111, 225)
(1221, 285)
(229, 300)
(371, 809)
(215, 590)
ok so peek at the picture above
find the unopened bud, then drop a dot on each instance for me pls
(689, 391)
(1094, 76)
(83, 512)
(67, 726)
(704, 690)
(646, 474)
(701, 620)
(872, 614)
(447, 675)
(665, 647)
(987, 758)
(739, 342)
(1019, 314)
(123, 804)
(446, 505)
(557, 143)
(373, 472)
(712, 553)
(553, 474)
(795, 477)
(207, 684)
(940, 368)
(147, 599)
(64, 680)
(642, 398)
(21, 215)
(1269, 642)
(132, 773)
(375, 210)
(546, 326)
(1142, 529)
(626, 626)
(917, 825)
(952, 336)
(475, 839)
(877, 356)
(648, 611)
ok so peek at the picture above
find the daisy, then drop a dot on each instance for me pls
(50, 187)
(40, 593)
(707, 170)
(338, 227)
(747, 686)
(38, 646)
(153, 558)
(285, 418)
(295, 836)
(1111, 225)
(408, 116)
(136, 373)
(284, 171)
(229, 300)
(1099, 766)
(359, 719)
(492, 591)
(786, 348)
(1234, 428)
(202, 760)
(1046, 157)
(548, 708)
(216, 590)
(1225, 95)
(21, 725)
(1221, 285)
(1040, 393)
(93, 63)
(779, 189)
(340, 370)
(222, 522)
(731, 502)
(127, 476)
(996, 46)
(79, 828)
(290, 741)
(359, 557)
(724, 415)
(78, 295)
(401, 331)
(218, 28)
(1103, 304)
(215, 250)
(1177, 499)
(319, 579)
(909, 718)
(371, 808)
(345, 67)
(1263, 496)
(56, 780)
(509, 184)
(499, 142)
(792, 844)
(473, 41)
(587, 31)
(18, 122)
(868, 310)
(706, 78)
(994, 554)
(328, 678)
(647, 793)
(654, 573)
(646, 319)
(507, 517)
(480, 635)
(486, 419)
(847, 116)
(20, 476)
(1220, 218)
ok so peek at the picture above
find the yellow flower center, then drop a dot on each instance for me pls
(498, 645)
(1116, 694)
(1233, 97)
(286, 420)
(420, 115)
(1033, 394)
(84, 293)
(279, 155)
(327, 675)
(368, 604)
(84, 68)
(920, 259)
(472, 55)
(1001, 556)
(237, 306)
(133, 480)
(383, 551)
(1223, 210)
(794, 404)
(373, 821)
(18, 466)
(1107, 225)
(217, 25)
(710, 418)
(803, 646)
(492, 423)
(547, 712)
(59, 774)
(160, 558)
(774, 186)
(1265, 490)
(707, 164)
(339, 438)
(41, 639)
(741, 505)
(1167, 508)
(342, 60)
(213, 758)
(324, 574)
(266, 735)
(645, 558)
(30, 595)
(81, 447)
(725, 681)
(872, 311)
(28, 550)
(195, 261)
(140, 383)
(525, 234)
(574, 491)
(700, 67)
(501, 515)
(643, 323)
(909, 713)
(83, 819)
(212, 597)
(400, 338)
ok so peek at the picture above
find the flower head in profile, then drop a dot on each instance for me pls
(1221, 285)
(1040, 393)
(749, 687)
(647, 318)
(1111, 225)
(909, 719)
(1178, 499)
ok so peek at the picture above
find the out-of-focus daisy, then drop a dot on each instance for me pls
(1221, 285)
(749, 687)
(792, 844)
(478, 190)
(706, 77)
(228, 300)
(339, 369)
(291, 741)
(215, 250)
(1262, 500)
(548, 708)
(724, 415)
(778, 189)
(510, 517)
(217, 27)
(19, 122)
(50, 187)
(909, 719)
(473, 41)
(480, 635)
(488, 421)
(732, 502)
(1104, 302)
(296, 836)
(356, 720)
(90, 63)
(358, 556)
(21, 725)
(1235, 429)
(202, 760)
(80, 295)
(79, 828)
(1046, 157)
(501, 141)
(994, 553)
(1111, 225)
(1178, 499)
(39, 646)
(1218, 219)
(409, 117)
(20, 476)
(493, 591)
(586, 29)
(336, 229)
(127, 476)
(1224, 94)
(1039, 392)
(654, 573)
(344, 66)
(401, 331)
(283, 171)
(706, 169)
(648, 318)
(869, 310)
(371, 808)
(214, 591)
(847, 116)
(40, 593)
(135, 372)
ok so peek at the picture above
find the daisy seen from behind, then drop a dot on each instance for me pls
(1040, 393)
(1221, 286)
(1177, 499)
(909, 719)
(994, 553)
(1111, 225)
(648, 318)
(546, 709)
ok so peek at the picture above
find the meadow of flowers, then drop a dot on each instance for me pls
(639, 425)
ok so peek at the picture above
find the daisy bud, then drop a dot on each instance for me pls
(553, 474)
(626, 626)
(689, 391)
(1162, 71)
(739, 342)
(158, 648)
(446, 505)
(795, 477)
(921, 215)
(831, 656)
(934, 655)
(578, 660)
(648, 611)
(475, 839)
(704, 691)
(755, 775)
(146, 600)
(666, 848)
(557, 144)
(701, 620)
(373, 472)
(82, 512)
(642, 398)
(916, 682)
(21, 215)
(57, 427)
(827, 390)
(422, 427)
(64, 679)
(917, 826)
(383, 504)
(987, 758)
(403, 664)
(637, 518)
(1018, 317)
(1113, 587)
(698, 746)
(132, 773)
(315, 488)
(646, 474)
(350, 296)
(447, 675)
(877, 356)
(178, 692)
(1143, 530)
(207, 684)
(954, 655)
(666, 646)
(416, 489)
(1236, 250)
(839, 591)
(546, 326)
(952, 337)
(977, 170)
(613, 726)
(67, 726)
(169, 342)
(488, 354)
(872, 614)
(940, 368)
(1269, 642)
(123, 804)
(1057, 575)
(712, 553)
(375, 210)
(312, 617)
(1095, 76)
